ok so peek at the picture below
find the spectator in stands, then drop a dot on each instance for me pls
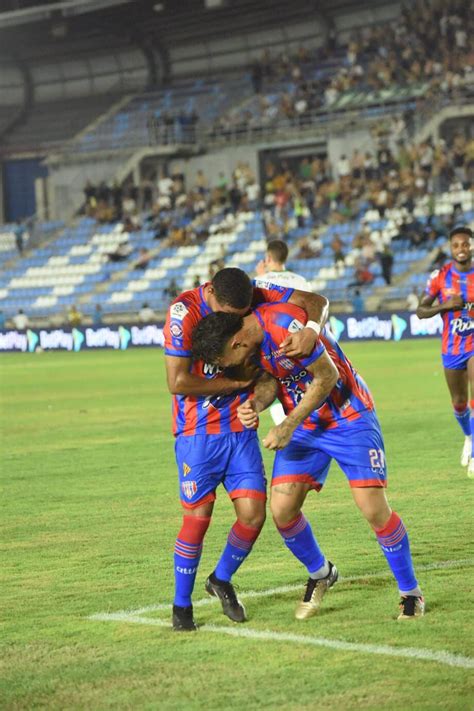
(362, 275)
(130, 224)
(412, 301)
(343, 166)
(357, 301)
(20, 320)
(144, 258)
(19, 232)
(146, 314)
(97, 316)
(196, 282)
(121, 253)
(172, 290)
(2, 320)
(74, 317)
(337, 246)
(117, 195)
(386, 261)
(235, 197)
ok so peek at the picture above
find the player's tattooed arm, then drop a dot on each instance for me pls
(301, 344)
(265, 391)
(182, 382)
(426, 309)
(325, 378)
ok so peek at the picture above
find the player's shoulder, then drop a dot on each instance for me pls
(441, 273)
(284, 315)
(184, 304)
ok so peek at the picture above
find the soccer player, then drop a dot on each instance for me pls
(212, 446)
(330, 414)
(453, 288)
(272, 270)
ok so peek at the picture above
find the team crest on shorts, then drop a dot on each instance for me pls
(189, 488)
(186, 469)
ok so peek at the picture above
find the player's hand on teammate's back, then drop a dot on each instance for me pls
(300, 344)
(455, 303)
(278, 437)
(247, 415)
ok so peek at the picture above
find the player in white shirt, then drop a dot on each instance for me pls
(272, 268)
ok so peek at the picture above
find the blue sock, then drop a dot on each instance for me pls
(471, 425)
(464, 418)
(393, 540)
(239, 544)
(299, 538)
(187, 554)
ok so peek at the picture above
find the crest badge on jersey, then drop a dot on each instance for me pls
(189, 488)
(179, 311)
(176, 329)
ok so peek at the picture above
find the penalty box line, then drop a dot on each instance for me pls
(441, 657)
(247, 595)
(427, 655)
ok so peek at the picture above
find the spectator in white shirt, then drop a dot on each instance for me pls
(21, 321)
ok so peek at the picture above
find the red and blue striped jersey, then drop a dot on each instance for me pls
(349, 397)
(216, 414)
(458, 326)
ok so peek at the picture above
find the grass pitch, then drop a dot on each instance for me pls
(89, 516)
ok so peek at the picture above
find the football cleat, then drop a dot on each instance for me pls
(314, 593)
(466, 451)
(411, 606)
(231, 605)
(183, 620)
(470, 469)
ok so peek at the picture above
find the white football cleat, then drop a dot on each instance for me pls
(466, 451)
(470, 469)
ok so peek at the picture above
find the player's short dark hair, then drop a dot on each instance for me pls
(278, 250)
(461, 230)
(212, 333)
(233, 287)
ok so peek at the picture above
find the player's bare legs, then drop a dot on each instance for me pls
(458, 384)
(243, 534)
(286, 502)
(393, 539)
(372, 503)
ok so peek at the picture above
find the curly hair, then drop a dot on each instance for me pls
(212, 334)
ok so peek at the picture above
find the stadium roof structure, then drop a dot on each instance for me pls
(167, 20)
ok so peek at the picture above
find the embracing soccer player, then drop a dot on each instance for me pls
(330, 414)
(453, 287)
(212, 446)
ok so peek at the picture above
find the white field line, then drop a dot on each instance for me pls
(246, 595)
(426, 655)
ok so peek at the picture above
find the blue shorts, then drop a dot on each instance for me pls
(456, 362)
(205, 461)
(357, 446)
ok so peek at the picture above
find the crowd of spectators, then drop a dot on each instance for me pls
(165, 128)
(310, 194)
(387, 56)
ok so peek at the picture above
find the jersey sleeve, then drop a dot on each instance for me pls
(266, 292)
(180, 321)
(433, 285)
(282, 322)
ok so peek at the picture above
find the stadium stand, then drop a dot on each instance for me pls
(351, 221)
